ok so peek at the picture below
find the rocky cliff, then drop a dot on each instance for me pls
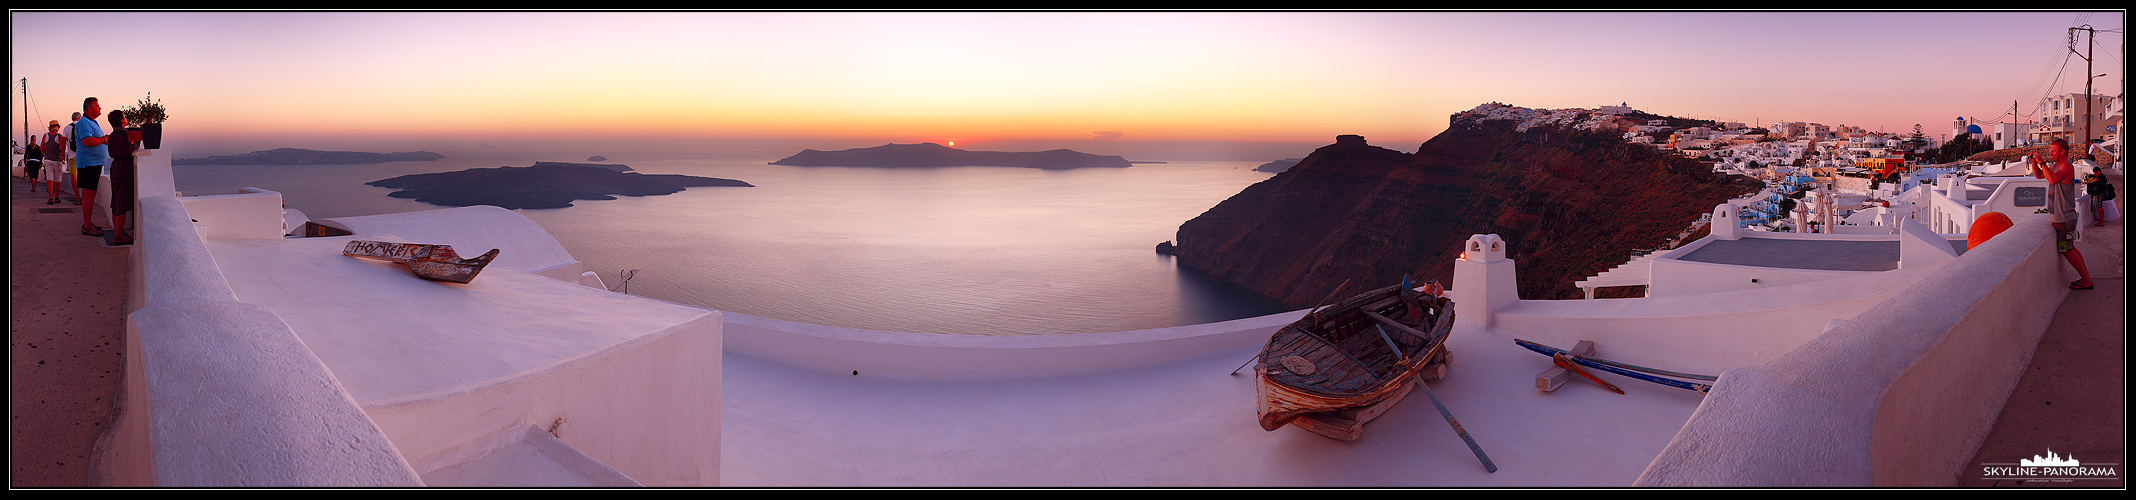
(1562, 187)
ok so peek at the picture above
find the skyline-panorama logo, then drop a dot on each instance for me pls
(2052, 467)
(2051, 460)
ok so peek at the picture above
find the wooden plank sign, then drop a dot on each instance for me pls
(430, 262)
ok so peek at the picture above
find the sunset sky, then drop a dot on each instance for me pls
(1021, 80)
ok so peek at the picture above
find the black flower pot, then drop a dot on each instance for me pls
(152, 136)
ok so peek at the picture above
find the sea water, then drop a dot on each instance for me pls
(960, 250)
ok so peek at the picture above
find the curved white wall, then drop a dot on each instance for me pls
(647, 407)
(963, 357)
(1901, 395)
(222, 393)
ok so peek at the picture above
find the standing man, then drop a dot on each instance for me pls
(91, 156)
(2062, 207)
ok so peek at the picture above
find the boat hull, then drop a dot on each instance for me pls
(1343, 365)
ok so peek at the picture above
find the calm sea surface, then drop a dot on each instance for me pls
(970, 250)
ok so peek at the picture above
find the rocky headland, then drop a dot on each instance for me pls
(543, 185)
(929, 154)
(1562, 187)
(1278, 166)
(295, 156)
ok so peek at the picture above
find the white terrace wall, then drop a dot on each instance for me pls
(1702, 333)
(1694, 315)
(222, 393)
(647, 407)
(250, 213)
(1901, 395)
(929, 356)
(607, 395)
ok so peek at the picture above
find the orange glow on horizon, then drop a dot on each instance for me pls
(1017, 78)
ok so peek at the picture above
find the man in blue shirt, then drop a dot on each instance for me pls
(90, 156)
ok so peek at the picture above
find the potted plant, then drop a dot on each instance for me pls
(147, 116)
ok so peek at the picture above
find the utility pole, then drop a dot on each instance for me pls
(2088, 36)
(26, 114)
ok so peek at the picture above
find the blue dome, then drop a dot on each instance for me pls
(1972, 129)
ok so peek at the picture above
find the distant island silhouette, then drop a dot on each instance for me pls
(610, 166)
(543, 185)
(929, 154)
(1278, 166)
(295, 156)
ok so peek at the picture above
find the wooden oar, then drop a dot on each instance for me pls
(1324, 301)
(1487, 465)
(1690, 386)
(1242, 366)
(1565, 361)
(1551, 351)
(1632, 371)
(1478, 450)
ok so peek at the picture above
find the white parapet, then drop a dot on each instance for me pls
(1919, 246)
(1900, 395)
(270, 361)
(446, 369)
(933, 356)
(248, 213)
(221, 392)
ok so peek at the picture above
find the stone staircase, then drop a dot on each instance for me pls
(1631, 273)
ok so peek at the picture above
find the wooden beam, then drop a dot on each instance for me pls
(1556, 376)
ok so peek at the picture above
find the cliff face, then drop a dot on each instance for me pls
(1562, 187)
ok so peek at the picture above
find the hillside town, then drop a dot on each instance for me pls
(1851, 176)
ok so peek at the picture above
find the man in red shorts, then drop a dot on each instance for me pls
(2062, 206)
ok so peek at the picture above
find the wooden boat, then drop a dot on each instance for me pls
(1344, 364)
(430, 262)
